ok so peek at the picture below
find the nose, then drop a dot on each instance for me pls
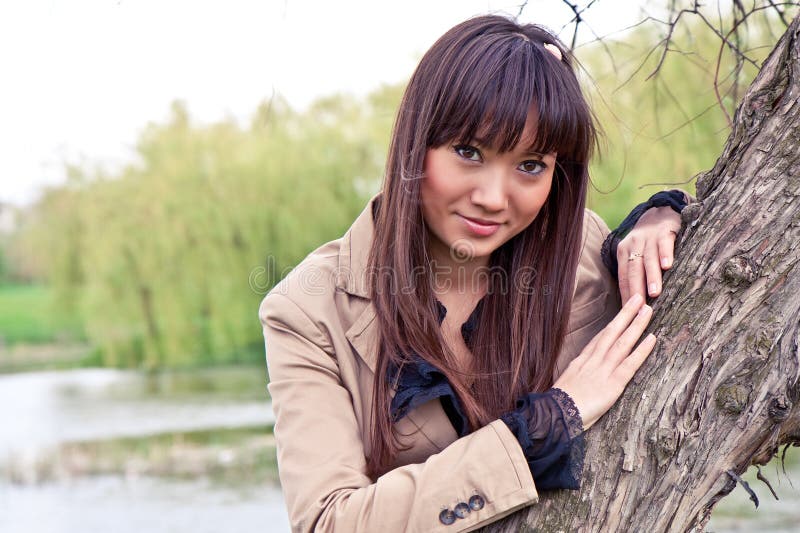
(490, 192)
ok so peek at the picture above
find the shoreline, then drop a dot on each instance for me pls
(241, 456)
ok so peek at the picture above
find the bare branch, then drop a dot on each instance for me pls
(687, 122)
(576, 19)
(744, 15)
(672, 25)
(781, 14)
(623, 30)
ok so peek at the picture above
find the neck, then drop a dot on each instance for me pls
(451, 274)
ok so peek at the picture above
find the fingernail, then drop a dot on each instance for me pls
(665, 263)
(635, 299)
(653, 288)
(644, 309)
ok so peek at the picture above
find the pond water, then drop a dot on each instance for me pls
(114, 503)
(39, 410)
(43, 411)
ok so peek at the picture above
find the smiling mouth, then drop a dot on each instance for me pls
(481, 221)
(477, 228)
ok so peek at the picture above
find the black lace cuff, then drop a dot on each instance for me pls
(674, 199)
(419, 382)
(549, 429)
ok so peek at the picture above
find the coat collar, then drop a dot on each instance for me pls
(351, 275)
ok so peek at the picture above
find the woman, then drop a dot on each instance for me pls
(436, 366)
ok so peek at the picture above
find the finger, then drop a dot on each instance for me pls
(618, 324)
(622, 274)
(636, 279)
(631, 248)
(628, 367)
(621, 348)
(652, 269)
(666, 249)
(587, 351)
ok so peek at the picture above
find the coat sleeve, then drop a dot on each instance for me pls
(321, 457)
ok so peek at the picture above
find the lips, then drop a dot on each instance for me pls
(479, 227)
(483, 221)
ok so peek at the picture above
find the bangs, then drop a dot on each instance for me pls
(490, 86)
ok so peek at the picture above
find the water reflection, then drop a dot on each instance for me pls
(40, 410)
(101, 504)
(98, 450)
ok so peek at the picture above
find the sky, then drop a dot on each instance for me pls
(82, 78)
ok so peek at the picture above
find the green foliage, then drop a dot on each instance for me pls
(167, 260)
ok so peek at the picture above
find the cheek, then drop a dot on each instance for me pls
(435, 182)
(427, 195)
(535, 200)
(439, 187)
(430, 194)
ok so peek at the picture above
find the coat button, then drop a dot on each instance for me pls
(476, 503)
(447, 517)
(462, 510)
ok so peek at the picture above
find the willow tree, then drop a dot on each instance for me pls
(721, 390)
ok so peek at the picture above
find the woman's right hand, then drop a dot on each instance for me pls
(596, 378)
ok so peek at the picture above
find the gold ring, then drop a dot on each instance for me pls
(633, 256)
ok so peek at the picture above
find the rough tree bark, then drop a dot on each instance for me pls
(721, 391)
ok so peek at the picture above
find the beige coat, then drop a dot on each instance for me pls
(321, 336)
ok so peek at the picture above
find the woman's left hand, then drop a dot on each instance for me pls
(647, 250)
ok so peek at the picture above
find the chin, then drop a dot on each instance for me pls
(477, 250)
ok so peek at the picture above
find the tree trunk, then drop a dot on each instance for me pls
(721, 390)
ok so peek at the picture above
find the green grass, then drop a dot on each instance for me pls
(34, 335)
(27, 316)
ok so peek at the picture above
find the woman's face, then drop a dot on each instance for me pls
(466, 184)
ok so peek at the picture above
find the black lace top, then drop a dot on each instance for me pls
(547, 425)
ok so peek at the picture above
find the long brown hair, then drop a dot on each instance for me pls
(481, 77)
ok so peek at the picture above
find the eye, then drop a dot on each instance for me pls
(467, 152)
(532, 166)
